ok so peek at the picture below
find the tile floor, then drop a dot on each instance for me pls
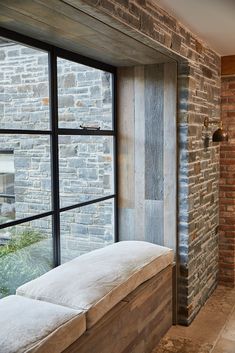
(212, 331)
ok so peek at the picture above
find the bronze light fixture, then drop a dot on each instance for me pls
(220, 134)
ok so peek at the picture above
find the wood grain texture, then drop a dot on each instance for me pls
(61, 24)
(134, 325)
(154, 78)
(228, 65)
(127, 223)
(126, 149)
(154, 221)
(139, 140)
(170, 155)
(148, 153)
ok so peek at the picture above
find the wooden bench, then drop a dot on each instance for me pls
(124, 291)
(136, 324)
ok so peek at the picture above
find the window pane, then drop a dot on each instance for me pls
(85, 96)
(25, 253)
(25, 176)
(24, 87)
(86, 168)
(86, 228)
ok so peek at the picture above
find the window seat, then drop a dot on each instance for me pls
(97, 281)
(29, 326)
(102, 286)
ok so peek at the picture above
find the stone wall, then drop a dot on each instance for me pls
(86, 165)
(227, 185)
(199, 96)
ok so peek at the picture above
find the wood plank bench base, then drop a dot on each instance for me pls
(136, 324)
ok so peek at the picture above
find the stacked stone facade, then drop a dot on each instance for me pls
(227, 185)
(198, 170)
(86, 162)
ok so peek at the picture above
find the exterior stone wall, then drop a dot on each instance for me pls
(227, 185)
(86, 165)
(199, 96)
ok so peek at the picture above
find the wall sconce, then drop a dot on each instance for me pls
(220, 134)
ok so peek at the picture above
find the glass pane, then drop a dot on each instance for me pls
(25, 253)
(84, 96)
(24, 87)
(86, 228)
(25, 176)
(86, 168)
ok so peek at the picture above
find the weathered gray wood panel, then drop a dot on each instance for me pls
(151, 154)
(127, 224)
(139, 140)
(154, 216)
(126, 148)
(154, 81)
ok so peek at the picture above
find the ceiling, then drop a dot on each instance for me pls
(213, 21)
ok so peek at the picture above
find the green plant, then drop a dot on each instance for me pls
(26, 256)
(21, 240)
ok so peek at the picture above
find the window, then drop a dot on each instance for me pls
(58, 176)
(7, 181)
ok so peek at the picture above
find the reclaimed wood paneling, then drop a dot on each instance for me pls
(154, 225)
(147, 153)
(139, 161)
(154, 81)
(134, 325)
(127, 223)
(126, 149)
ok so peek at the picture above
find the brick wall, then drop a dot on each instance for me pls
(227, 185)
(199, 96)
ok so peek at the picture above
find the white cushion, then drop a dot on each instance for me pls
(32, 326)
(98, 280)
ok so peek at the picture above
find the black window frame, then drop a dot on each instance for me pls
(6, 194)
(54, 132)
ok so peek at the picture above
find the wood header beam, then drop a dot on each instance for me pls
(228, 65)
(61, 24)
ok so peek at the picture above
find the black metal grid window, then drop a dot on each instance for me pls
(55, 131)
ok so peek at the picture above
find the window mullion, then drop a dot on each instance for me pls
(115, 159)
(54, 156)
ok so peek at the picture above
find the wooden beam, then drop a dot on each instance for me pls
(60, 24)
(228, 65)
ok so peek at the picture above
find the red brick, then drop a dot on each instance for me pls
(227, 187)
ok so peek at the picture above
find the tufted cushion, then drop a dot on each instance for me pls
(98, 280)
(32, 326)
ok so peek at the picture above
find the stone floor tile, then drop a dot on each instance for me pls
(222, 300)
(229, 329)
(214, 326)
(182, 345)
(204, 329)
(224, 346)
(211, 319)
